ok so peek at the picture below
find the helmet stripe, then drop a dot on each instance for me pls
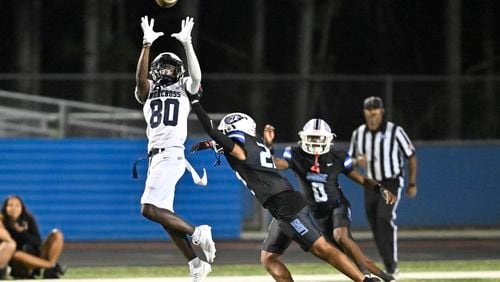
(317, 124)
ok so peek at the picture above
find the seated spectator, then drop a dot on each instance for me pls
(7, 249)
(31, 254)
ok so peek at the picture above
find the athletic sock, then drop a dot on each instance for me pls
(194, 262)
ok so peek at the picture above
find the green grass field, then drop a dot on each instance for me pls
(298, 269)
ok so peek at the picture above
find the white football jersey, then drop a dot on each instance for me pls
(166, 113)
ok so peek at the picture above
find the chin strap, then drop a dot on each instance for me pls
(315, 166)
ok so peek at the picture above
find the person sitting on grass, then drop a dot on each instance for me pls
(31, 253)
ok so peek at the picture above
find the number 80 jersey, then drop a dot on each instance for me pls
(166, 113)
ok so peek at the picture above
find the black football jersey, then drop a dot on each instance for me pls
(319, 188)
(258, 171)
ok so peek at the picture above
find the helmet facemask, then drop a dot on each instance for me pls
(167, 68)
(316, 137)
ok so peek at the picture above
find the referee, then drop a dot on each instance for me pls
(380, 147)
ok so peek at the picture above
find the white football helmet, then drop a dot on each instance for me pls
(237, 122)
(316, 137)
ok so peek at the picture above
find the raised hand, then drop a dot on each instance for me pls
(184, 36)
(147, 28)
(268, 134)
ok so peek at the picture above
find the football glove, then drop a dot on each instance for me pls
(203, 145)
(207, 144)
(184, 36)
(147, 28)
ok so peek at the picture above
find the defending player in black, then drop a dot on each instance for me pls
(253, 163)
(317, 166)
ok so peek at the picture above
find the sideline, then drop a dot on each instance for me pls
(306, 278)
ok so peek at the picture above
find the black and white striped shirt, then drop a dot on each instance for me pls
(384, 150)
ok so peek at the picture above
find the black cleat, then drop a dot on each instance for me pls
(371, 279)
(55, 272)
(4, 272)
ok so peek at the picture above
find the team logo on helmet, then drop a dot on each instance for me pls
(233, 118)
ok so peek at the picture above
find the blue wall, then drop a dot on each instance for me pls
(458, 185)
(84, 187)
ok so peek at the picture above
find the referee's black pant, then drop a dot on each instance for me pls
(381, 218)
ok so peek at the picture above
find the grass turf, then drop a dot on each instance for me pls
(295, 268)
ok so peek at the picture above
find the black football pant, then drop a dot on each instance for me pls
(381, 218)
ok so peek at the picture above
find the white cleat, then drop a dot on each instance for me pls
(200, 272)
(203, 237)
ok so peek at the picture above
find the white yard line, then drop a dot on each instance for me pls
(308, 278)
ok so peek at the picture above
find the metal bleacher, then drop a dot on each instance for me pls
(23, 115)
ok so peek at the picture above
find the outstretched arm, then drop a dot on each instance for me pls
(371, 184)
(193, 66)
(225, 142)
(141, 73)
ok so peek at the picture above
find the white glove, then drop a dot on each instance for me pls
(147, 28)
(184, 36)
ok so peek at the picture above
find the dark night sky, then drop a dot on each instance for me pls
(367, 37)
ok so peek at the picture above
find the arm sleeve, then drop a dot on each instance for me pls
(194, 69)
(207, 125)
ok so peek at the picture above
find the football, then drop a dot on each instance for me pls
(166, 3)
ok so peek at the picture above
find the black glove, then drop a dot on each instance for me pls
(203, 145)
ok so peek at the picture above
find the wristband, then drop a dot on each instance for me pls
(378, 188)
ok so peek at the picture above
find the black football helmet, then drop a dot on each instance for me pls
(167, 68)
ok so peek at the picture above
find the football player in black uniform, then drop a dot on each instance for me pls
(317, 167)
(253, 163)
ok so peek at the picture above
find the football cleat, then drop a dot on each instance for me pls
(371, 279)
(200, 272)
(202, 237)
